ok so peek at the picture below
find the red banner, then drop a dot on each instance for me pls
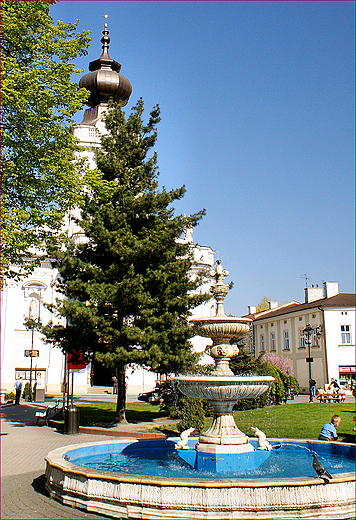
(76, 361)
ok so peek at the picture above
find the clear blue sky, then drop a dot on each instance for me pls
(257, 104)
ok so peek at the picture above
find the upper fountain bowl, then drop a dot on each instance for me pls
(221, 328)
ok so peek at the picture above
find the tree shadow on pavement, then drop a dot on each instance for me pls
(20, 415)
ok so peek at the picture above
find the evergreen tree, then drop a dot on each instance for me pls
(128, 288)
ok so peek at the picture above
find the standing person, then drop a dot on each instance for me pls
(328, 431)
(292, 392)
(333, 384)
(312, 386)
(18, 388)
(114, 385)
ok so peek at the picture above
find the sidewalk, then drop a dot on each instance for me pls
(23, 448)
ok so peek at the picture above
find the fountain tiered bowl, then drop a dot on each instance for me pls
(222, 389)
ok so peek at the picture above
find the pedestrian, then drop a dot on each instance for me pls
(328, 431)
(18, 388)
(333, 384)
(114, 385)
(312, 386)
(292, 392)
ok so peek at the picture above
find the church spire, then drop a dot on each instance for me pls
(104, 81)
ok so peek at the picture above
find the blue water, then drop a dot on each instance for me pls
(159, 458)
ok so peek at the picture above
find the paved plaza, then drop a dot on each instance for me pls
(23, 448)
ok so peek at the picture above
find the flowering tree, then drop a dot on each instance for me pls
(279, 361)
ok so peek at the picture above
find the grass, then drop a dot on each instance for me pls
(301, 421)
(91, 414)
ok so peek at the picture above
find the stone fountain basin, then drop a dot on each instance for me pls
(221, 326)
(127, 496)
(223, 388)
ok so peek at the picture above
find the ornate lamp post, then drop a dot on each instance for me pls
(308, 331)
(33, 323)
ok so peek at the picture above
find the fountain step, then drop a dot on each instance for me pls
(220, 462)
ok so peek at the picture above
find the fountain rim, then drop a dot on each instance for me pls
(220, 319)
(71, 467)
(224, 379)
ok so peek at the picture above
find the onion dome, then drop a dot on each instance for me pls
(104, 80)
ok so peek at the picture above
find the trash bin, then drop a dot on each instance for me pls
(40, 395)
(71, 420)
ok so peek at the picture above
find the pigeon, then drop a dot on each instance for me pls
(321, 471)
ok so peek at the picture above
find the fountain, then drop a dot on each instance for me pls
(223, 446)
(222, 475)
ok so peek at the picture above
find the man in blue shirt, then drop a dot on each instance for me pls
(18, 388)
(328, 431)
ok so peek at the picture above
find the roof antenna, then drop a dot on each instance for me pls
(306, 279)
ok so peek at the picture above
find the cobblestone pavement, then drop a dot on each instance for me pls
(23, 497)
(23, 448)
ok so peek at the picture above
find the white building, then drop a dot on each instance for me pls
(331, 314)
(38, 289)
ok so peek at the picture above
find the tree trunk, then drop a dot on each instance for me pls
(121, 394)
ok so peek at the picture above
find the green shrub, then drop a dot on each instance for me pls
(10, 396)
(278, 390)
(26, 392)
(250, 404)
(245, 364)
(192, 414)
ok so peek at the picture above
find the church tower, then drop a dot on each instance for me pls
(104, 81)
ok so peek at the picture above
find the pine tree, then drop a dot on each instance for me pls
(128, 288)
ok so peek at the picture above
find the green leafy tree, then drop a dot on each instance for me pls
(40, 179)
(263, 305)
(128, 288)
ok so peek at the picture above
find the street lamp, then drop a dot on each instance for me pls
(308, 331)
(33, 322)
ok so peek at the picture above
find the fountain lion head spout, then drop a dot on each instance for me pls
(222, 388)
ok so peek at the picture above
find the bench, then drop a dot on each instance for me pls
(47, 413)
(337, 397)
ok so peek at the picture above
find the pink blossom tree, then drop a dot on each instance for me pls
(279, 361)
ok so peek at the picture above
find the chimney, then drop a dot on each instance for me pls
(273, 304)
(313, 293)
(251, 309)
(330, 289)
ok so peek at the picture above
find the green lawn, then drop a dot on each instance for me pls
(98, 413)
(285, 421)
(298, 420)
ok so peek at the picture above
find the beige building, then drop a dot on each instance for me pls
(331, 352)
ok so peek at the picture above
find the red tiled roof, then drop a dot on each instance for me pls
(339, 300)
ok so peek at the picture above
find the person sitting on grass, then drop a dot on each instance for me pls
(328, 431)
